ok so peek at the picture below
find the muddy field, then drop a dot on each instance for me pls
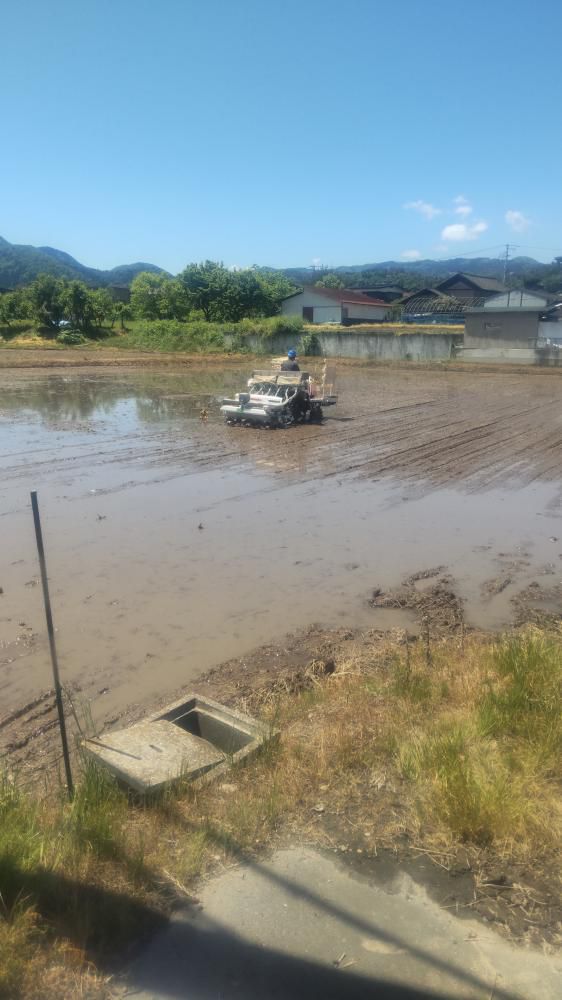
(175, 543)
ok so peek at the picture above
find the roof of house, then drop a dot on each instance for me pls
(380, 288)
(342, 295)
(424, 293)
(479, 281)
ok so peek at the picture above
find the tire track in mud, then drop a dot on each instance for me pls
(477, 429)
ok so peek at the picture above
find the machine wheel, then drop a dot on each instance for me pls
(316, 414)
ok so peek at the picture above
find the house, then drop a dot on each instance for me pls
(505, 326)
(388, 293)
(449, 299)
(345, 306)
(431, 305)
(470, 288)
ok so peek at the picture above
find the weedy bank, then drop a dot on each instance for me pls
(386, 745)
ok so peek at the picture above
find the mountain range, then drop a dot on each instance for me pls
(489, 267)
(20, 264)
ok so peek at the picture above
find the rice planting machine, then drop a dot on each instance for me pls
(277, 398)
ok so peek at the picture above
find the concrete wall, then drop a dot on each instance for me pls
(368, 346)
(501, 329)
(374, 314)
(549, 357)
(550, 331)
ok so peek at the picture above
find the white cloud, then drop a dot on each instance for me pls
(410, 255)
(316, 261)
(462, 206)
(424, 208)
(518, 222)
(461, 231)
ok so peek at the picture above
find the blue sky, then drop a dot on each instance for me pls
(281, 132)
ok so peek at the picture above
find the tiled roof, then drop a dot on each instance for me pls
(477, 280)
(345, 295)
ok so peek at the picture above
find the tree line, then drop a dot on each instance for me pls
(207, 291)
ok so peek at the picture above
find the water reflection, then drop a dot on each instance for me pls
(158, 397)
(60, 398)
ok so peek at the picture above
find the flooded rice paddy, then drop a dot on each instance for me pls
(175, 542)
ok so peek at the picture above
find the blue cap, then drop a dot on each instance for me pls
(292, 353)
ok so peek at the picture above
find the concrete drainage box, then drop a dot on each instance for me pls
(187, 740)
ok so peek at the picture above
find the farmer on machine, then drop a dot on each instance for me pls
(290, 365)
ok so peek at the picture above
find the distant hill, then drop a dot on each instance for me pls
(21, 264)
(488, 267)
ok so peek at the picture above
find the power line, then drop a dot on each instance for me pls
(527, 246)
(469, 253)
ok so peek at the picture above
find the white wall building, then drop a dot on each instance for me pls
(334, 305)
(517, 298)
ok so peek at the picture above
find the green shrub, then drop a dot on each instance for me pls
(71, 338)
(269, 327)
(310, 345)
(171, 335)
(202, 337)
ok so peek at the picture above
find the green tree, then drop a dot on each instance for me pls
(145, 295)
(174, 300)
(276, 287)
(47, 301)
(103, 306)
(224, 295)
(157, 296)
(123, 312)
(330, 281)
(13, 306)
(79, 306)
(207, 287)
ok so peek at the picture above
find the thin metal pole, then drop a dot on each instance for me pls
(52, 646)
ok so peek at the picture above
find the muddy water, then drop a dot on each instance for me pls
(174, 542)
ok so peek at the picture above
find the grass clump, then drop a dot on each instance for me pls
(414, 685)
(481, 765)
(523, 699)
(18, 936)
(466, 784)
(97, 814)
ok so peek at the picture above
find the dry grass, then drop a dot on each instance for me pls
(458, 747)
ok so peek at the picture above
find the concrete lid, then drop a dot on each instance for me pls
(151, 753)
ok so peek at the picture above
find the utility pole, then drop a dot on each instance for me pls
(52, 646)
(508, 248)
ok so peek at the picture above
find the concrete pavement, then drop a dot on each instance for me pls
(300, 925)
